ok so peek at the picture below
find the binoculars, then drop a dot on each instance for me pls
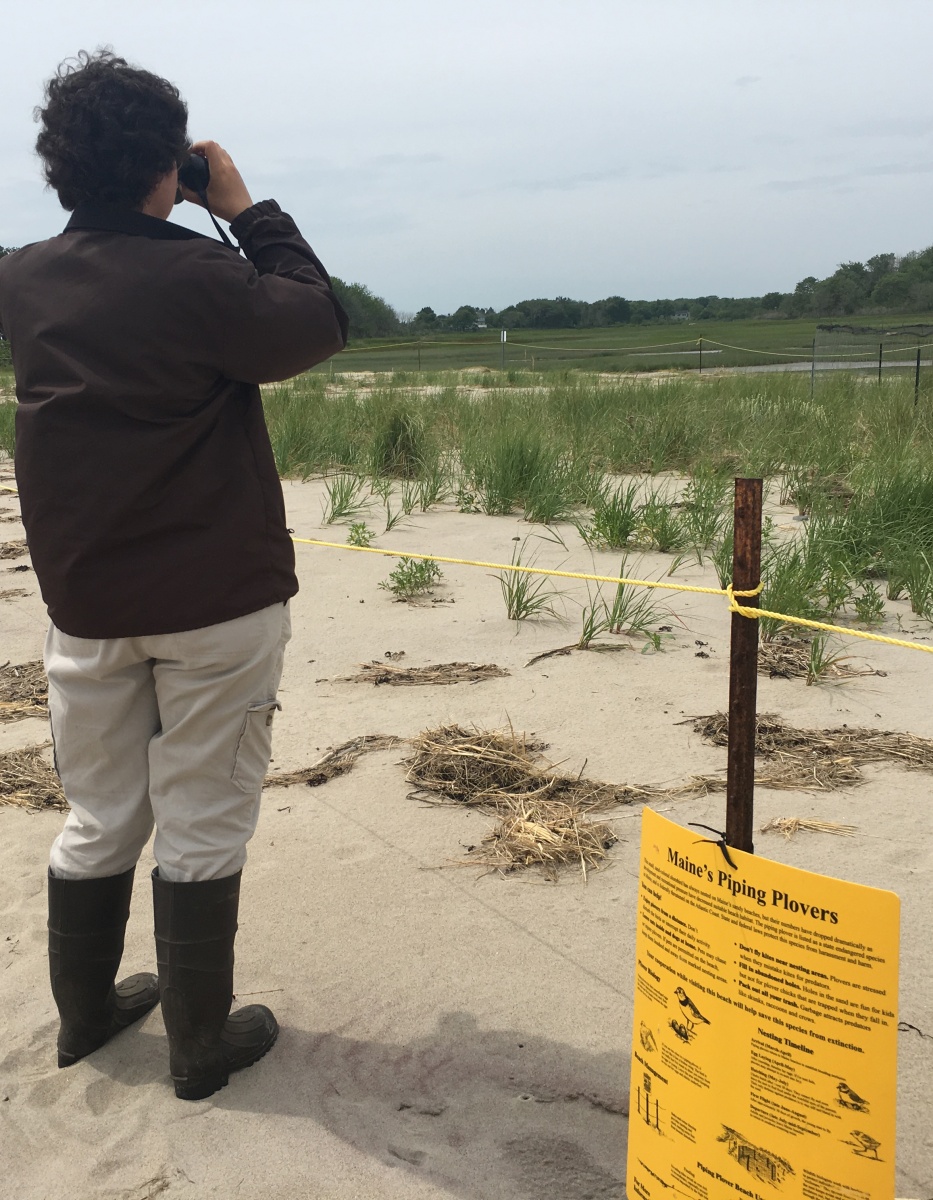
(195, 174)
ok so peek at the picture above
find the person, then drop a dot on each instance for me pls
(156, 524)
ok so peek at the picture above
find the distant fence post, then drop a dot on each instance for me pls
(503, 338)
(813, 369)
(743, 668)
(880, 353)
(917, 381)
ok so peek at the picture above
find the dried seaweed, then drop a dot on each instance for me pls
(545, 834)
(13, 593)
(28, 781)
(24, 691)
(543, 816)
(335, 762)
(14, 549)
(791, 825)
(440, 674)
(820, 759)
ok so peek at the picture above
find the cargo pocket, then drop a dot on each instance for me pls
(254, 746)
(54, 747)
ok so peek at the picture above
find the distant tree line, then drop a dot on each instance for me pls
(885, 283)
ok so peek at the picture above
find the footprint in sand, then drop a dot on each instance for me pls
(558, 1167)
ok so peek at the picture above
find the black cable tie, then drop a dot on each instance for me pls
(719, 841)
(906, 1027)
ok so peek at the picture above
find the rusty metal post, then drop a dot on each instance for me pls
(917, 381)
(743, 668)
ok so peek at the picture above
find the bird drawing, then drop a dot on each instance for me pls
(849, 1099)
(692, 1014)
(865, 1144)
(684, 1032)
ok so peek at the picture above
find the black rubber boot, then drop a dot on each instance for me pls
(195, 927)
(87, 922)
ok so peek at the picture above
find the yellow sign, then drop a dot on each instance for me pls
(764, 1052)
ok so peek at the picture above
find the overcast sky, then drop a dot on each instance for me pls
(447, 152)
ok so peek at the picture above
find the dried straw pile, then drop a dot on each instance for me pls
(791, 825)
(543, 816)
(821, 759)
(24, 691)
(440, 674)
(28, 781)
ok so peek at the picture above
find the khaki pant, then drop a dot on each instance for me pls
(172, 730)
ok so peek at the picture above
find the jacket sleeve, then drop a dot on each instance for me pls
(280, 314)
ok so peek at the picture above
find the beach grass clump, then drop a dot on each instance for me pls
(434, 485)
(526, 596)
(345, 498)
(614, 519)
(507, 467)
(823, 661)
(548, 495)
(705, 509)
(310, 429)
(632, 612)
(793, 584)
(397, 445)
(660, 525)
(917, 574)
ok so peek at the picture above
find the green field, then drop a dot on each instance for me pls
(622, 347)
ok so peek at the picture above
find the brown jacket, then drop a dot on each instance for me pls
(149, 491)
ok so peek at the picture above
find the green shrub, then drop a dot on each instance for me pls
(412, 577)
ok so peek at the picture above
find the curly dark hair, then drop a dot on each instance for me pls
(109, 131)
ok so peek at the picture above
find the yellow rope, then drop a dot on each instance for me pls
(729, 592)
(823, 625)
(520, 568)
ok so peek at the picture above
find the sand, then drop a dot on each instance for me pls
(444, 1033)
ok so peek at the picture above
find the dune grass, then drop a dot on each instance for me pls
(855, 458)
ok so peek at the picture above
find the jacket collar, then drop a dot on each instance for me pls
(126, 220)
